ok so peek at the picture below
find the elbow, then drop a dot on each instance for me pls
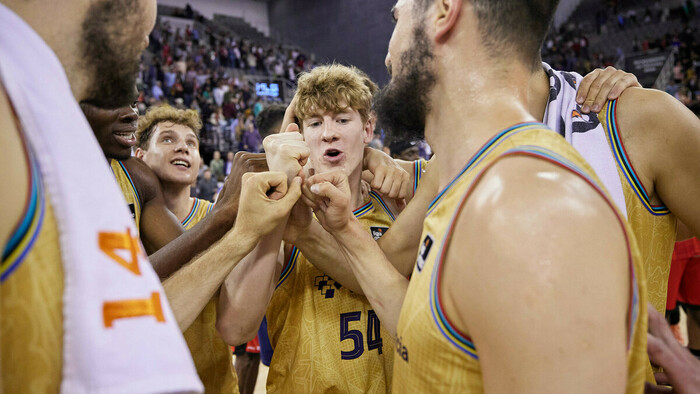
(234, 333)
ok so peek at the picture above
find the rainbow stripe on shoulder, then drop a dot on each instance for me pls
(489, 146)
(623, 161)
(28, 228)
(462, 341)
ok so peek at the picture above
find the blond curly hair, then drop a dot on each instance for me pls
(165, 114)
(333, 88)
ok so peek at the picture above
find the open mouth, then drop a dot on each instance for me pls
(180, 163)
(333, 155)
(126, 138)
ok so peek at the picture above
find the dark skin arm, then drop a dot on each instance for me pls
(158, 226)
(184, 248)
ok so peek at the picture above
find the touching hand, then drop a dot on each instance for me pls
(601, 85)
(287, 153)
(328, 194)
(681, 368)
(229, 196)
(266, 201)
(385, 176)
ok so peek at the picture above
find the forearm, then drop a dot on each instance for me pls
(190, 288)
(247, 290)
(321, 249)
(383, 285)
(184, 248)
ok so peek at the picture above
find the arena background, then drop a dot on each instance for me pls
(228, 59)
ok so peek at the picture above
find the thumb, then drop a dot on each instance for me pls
(327, 190)
(292, 128)
(293, 193)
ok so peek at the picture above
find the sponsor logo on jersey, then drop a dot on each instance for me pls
(132, 209)
(424, 251)
(401, 350)
(326, 285)
(378, 231)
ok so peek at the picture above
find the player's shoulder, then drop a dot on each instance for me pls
(520, 192)
(14, 171)
(145, 180)
(644, 109)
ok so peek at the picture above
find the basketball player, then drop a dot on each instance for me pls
(88, 52)
(312, 319)
(525, 219)
(115, 130)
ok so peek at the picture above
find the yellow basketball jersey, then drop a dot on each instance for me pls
(31, 289)
(131, 195)
(654, 226)
(211, 355)
(200, 209)
(326, 338)
(433, 356)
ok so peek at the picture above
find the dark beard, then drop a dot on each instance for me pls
(110, 58)
(402, 105)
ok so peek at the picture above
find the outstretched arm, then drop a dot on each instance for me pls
(190, 288)
(247, 290)
(382, 284)
(184, 248)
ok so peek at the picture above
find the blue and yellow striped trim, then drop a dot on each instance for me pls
(381, 202)
(418, 167)
(131, 182)
(28, 229)
(192, 213)
(482, 153)
(624, 163)
(289, 267)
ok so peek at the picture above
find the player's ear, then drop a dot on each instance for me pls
(139, 153)
(448, 12)
(369, 128)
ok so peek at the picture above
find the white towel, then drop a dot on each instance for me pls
(583, 132)
(102, 353)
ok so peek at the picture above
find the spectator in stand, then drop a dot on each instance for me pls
(252, 142)
(228, 165)
(157, 91)
(216, 165)
(207, 186)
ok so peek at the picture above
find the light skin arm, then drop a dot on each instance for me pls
(184, 248)
(190, 288)
(662, 138)
(399, 244)
(544, 297)
(247, 291)
(383, 285)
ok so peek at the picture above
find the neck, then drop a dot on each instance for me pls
(58, 24)
(355, 182)
(538, 93)
(177, 199)
(470, 104)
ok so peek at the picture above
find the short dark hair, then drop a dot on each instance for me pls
(512, 26)
(270, 117)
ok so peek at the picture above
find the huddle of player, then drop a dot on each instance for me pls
(560, 242)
